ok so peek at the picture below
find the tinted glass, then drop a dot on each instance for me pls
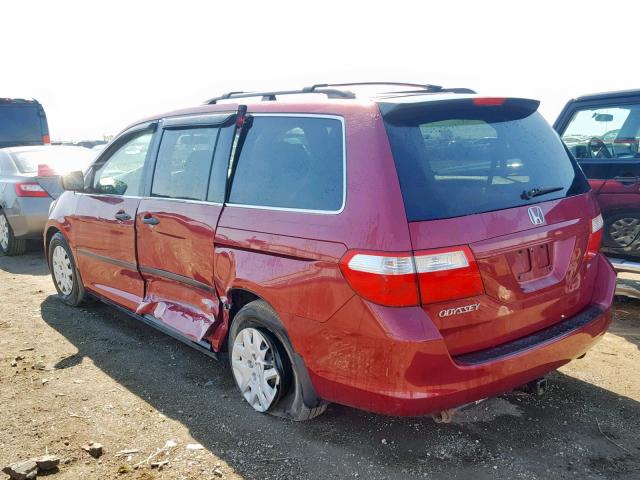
(184, 163)
(121, 174)
(291, 162)
(467, 159)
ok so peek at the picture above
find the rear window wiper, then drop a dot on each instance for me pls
(536, 192)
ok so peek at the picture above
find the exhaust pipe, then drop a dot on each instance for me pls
(444, 416)
(536, 387)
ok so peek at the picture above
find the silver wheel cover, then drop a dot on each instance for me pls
(62, 270)
(252, 361)
(624, 230)
(4, 233)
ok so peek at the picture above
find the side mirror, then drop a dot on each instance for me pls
(73, 181)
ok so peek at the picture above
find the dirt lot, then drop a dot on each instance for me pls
(94, 374)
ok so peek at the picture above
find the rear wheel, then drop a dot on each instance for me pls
(64, 272)
(261, 361)
(9, 244)
(257, 370)
(621, 230)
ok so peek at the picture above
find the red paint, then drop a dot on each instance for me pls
(95, 230)
(394, 360)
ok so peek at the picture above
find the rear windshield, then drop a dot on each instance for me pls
(467, 159)
(61, 159)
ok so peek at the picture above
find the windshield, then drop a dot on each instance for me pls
(469, 159)
(60, 159)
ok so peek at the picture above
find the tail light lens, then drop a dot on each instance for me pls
(46, 139)
(595, 237)
(399, 280)
(30, 189)
(448, 274)
(489, 101)
(386, 279)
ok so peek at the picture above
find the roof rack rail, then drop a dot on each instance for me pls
(271, 95)
(419, 87)
(330, 90)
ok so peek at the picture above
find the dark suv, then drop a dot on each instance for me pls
(403, 253)
(602, 131)
(22, 122)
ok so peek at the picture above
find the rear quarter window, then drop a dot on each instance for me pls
(291, 162)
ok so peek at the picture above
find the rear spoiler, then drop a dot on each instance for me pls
(498, 108)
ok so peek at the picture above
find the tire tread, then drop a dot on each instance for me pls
(17, 246)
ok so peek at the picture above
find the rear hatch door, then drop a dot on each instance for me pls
(489, 177)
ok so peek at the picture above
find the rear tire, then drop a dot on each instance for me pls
(9, 244)
(621, 230)
(256, 323)
(64, 273)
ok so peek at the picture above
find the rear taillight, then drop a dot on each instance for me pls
(384, 278)
(402, 279)
(46, 139)
(30, 189)
(489, 101)
(447, 274)
(595, 237)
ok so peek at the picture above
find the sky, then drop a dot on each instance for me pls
(97, 66)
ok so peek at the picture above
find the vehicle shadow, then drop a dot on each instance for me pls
(31, 263)
(514, 436)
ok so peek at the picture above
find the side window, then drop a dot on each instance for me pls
(610, 132)
(121, 173)
(184, 163)
(291, 162)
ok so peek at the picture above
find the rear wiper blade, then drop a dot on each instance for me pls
(536, 192)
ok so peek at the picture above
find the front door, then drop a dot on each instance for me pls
(604, 139)
(104, 221)
(176, 226)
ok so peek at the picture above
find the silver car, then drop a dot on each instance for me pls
(25, 193)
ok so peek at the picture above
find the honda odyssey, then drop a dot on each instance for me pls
(404, 252)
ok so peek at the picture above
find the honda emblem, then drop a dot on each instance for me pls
(536, 215)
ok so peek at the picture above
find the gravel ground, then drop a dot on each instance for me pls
(70, 376)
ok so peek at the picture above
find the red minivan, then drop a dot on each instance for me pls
(404, 253)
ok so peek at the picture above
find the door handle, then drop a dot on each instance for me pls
(122, 216)
(150, 220)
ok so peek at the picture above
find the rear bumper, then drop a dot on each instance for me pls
(404, 377)
(28, 216)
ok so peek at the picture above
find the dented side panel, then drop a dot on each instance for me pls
(175, 257)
